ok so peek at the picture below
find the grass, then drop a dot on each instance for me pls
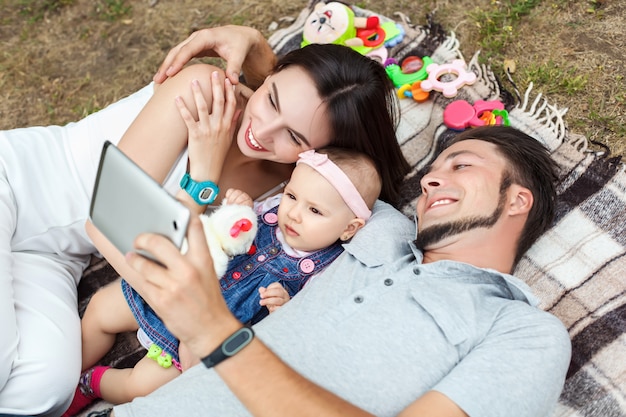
(112, 10)
(62, 59)
(498, 28)
(108, 10)
(604, 120)
(496, 24)
(554, 79)
(34, 10)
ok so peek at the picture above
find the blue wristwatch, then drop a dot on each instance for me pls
(203, 193)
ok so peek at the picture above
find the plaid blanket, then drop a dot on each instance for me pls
(577, 269)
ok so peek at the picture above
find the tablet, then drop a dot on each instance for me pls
(126, 201)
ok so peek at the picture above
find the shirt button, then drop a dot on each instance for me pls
(273, 251)
(247, 267)
(307, 266)
(417, 270)
(270, 218)
(358, 299)
(388, 282)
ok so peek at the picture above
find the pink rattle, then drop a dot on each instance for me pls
(449, 88)
(460, 114)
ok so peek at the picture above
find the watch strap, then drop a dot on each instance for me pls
(203, 193)
(233, 344)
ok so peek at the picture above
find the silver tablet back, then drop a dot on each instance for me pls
(126, 201)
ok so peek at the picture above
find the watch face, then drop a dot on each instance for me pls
(237, 342)
(206, 193)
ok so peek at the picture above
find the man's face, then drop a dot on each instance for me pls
(461, 193)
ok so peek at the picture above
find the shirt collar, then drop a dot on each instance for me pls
(519, 290)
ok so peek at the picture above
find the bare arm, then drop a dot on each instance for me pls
(242, 48)
(211, 135)
(187, 288)
(159, 134)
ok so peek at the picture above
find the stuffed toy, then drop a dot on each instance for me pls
(335, 22)
(230, 230)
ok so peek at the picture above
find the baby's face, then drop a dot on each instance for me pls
(312, 215)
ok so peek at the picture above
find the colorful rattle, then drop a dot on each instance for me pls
(448, 88)
(414, 91)
(399, 78)
(459, 115)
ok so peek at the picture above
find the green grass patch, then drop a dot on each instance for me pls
(551, 78)
(34, 10)
(86, 109)
(496, 24)
(237, 18)
(112, 10)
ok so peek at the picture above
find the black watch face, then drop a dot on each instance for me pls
(233, 345)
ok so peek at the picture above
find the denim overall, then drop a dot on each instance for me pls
(264, 264)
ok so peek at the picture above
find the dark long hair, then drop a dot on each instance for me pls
(361, 104)
(529, 165)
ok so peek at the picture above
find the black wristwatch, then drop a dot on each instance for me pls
(233, 344)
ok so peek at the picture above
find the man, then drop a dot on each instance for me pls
(433, 328)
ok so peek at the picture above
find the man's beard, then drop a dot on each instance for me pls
(434, 234)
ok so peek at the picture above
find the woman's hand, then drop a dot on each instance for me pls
(274, 296)
(209, 137)
(242, 47)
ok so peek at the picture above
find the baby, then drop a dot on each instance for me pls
(326, 201)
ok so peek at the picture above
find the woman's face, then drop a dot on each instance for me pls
(284, 117)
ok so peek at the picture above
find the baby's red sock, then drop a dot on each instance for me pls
(87, 391)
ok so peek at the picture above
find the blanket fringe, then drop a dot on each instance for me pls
(485, 75)
(540, 115)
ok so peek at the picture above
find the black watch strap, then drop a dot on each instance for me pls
(233, 344)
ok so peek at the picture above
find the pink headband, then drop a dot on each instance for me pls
(338, 179)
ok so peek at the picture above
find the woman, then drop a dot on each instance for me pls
(315, 97)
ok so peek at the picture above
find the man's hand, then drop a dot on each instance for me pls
(184, 290)
(235, 44)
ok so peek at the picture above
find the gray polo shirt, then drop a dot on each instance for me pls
(380, 329)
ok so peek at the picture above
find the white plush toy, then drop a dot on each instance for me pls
(335, 22)
(230, 230)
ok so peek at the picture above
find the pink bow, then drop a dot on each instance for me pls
(313, 158)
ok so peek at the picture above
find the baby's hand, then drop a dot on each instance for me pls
(235, 196)
(273, 296)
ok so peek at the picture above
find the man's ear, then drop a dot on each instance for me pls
(520, 201)
(351, 229)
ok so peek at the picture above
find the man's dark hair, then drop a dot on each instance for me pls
(529, 165)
